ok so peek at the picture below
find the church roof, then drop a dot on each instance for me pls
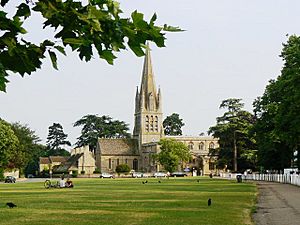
(120, 146)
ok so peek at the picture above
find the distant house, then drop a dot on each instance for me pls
(48, 163)
(81, 159)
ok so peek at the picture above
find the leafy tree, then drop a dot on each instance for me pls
(8, 144)
(94, 127)
(234, 132)
(172, 154)
(26, 147)
(37, 151)
(173, 124)
(96, 25)
(277, 112)
(57, 138)
(26, 158)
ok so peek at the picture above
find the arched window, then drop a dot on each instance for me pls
(147, 124)
(156, 123)
(211, 145)
(191, 145)
(118, 162)
(135, 164)
(151, 124)
(109, 163)
(126, 161)
(201, 146)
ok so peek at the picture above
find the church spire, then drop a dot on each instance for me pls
(148, 114)
(148, 83)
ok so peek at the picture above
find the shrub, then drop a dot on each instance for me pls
(74, 173)
(122, 168)
(97, 170)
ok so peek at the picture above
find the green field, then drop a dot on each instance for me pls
(128, 201)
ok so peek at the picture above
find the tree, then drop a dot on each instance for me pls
(96, 25)
(172, 153)
(26, 148)
(234, 132)
(56, 137)
(94, 127)
(277, 112)
(172, 125)
(8, 144)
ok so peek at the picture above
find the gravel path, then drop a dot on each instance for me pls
(278, 204)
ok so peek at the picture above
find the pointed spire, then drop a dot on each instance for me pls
(137, 101)
(147, 69)
(159, 103)
(148, 83)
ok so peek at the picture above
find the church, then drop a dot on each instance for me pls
(137, 151)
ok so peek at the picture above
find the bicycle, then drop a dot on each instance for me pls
(50, 184)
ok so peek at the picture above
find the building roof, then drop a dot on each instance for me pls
(121, 146)
(44, 160)
(70, 163)
(53, 159)
(60, 159)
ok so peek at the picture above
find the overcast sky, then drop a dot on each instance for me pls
(230, 49)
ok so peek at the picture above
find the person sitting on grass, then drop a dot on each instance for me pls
(69, 183)
(62, 183)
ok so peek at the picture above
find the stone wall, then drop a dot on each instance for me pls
(109, 163)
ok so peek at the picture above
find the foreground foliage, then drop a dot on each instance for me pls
(84, 26)
(128, 201)
(278, 113)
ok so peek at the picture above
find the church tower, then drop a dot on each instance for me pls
(148, 107)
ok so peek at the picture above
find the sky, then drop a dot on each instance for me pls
(229, 49)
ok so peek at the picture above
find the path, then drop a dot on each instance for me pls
(278, 204)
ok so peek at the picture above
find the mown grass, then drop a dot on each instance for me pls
(128, 201)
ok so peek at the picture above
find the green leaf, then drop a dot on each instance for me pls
(48, 43)
(60, 49)
(172, 29)
(137, 17)
(85, 51)
(53, 59)
(3, 79)
(75, 41)
(136, 49)
(3, 2)
(108, 56)
(153, 19)
(94, 13)
(23, 10)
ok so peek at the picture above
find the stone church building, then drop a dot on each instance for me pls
(148, 130)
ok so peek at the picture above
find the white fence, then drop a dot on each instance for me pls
(279, 178)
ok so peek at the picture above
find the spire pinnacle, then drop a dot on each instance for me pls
(148, 83)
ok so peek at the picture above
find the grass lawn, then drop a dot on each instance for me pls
(127, 201)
